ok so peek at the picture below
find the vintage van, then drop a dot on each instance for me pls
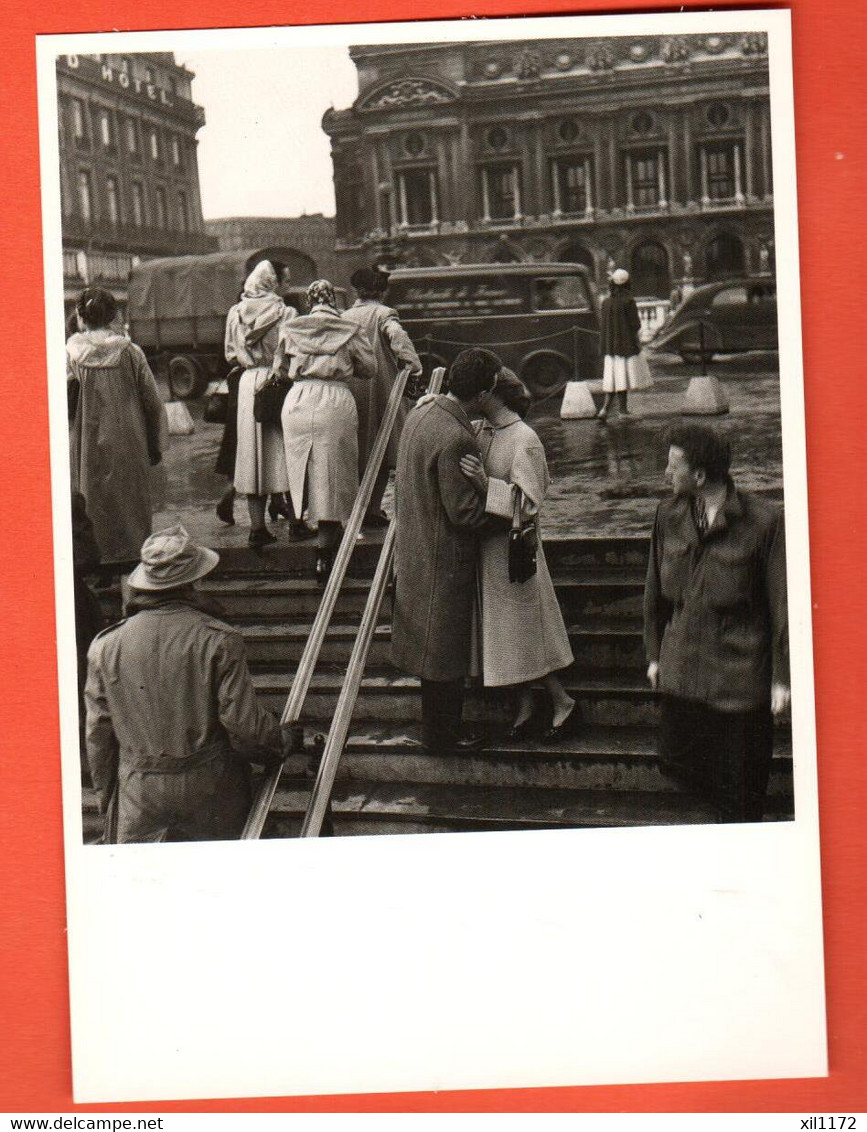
(542, 319)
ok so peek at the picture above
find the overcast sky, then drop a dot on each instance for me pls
(263, 151)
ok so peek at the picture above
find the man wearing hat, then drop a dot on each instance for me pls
(393, 350)
(172, 718)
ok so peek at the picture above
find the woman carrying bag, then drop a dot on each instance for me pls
(521, 635)
(625, 365)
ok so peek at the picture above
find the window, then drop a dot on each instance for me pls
(125, 65)
(642, 122)
(162, 209)
(568, 130)
(176, 151)
(155, 145)
(132, 136)
(498, 138)
(572, 192)
(149, 74)
(138, 210)
(763, 293)
(500, 192)
(730, 297)
(85, 195)
(559, 293)
(112, 195)
(724, 256)
(105, 131)
(718, 114)
(417, 197)
(78, 129)
(721, 180)
(645, 179)
(649, 271)
(183, 212)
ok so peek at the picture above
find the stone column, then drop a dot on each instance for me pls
(542, 195)
(674, 177)
(630, 202)
(767, 166)
(516, 185)
(688, 189)
(404, 211)
(588, 192)
(486, 198)
(660, 178)
(377, 193)
(705, 186)
(614, 186)
(601, 202)
(749, 147)
(465, 176)
(739, 192)
(434, 206)
(555, 185)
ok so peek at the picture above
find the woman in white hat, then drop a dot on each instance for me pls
(625, 367)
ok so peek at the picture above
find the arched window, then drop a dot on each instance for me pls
(577, 253)
(724, 256)
(649, 271)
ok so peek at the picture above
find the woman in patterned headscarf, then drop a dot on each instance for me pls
(253, 328)
(322, 351)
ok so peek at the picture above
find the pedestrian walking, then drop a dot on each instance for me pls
(521, 635)
(322, 351)
(172, 718)
(393, 350)
(252, 331)
(439, 517)
(624, 367)
(116, 414)
(716, 626)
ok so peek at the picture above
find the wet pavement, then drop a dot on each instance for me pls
(606, 478)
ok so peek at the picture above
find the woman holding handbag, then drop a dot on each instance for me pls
(253, 328)
(625, 366)
(521, 635)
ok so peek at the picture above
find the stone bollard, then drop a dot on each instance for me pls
(578, 402)
(179, 419)
(705, 396)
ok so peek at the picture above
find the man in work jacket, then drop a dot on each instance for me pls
(716, 626)
(172, 718)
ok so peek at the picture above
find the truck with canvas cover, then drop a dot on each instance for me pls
(178, 307)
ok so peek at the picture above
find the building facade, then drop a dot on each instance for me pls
(648, 152)
(312, 235)
(129, 176)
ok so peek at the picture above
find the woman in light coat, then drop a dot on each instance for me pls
(521, 635)
(322, 352)
(116, 416)
(253, 328)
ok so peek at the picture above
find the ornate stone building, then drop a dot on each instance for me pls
(129, 177)
(313, 235)
(650, 152)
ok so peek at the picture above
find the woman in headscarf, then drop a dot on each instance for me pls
(625, 367)
(253, 328)
(323, 351)
(116, 416)
(394, 350)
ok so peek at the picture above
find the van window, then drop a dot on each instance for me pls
(763, 293)
(462, 297)
(560, 293)
(730, 297)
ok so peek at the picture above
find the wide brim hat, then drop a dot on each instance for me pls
(170, 559)
(369, 279)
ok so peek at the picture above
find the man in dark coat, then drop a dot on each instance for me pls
(439, 517)
(715, 626)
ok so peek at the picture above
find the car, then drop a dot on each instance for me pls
(726, 317)
(542, 319)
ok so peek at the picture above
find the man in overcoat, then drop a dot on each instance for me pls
(439, 518)
(172, 718)
(716, 626)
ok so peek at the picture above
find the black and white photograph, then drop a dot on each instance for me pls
(428, 404)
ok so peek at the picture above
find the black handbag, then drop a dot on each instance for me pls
(268, 401)
(522, 544)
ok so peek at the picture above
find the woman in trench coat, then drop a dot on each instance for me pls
(521, 637)
(322, 352)
(116, 414)
(253, 328)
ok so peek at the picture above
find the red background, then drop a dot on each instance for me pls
(830, 60)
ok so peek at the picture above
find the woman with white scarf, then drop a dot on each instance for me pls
(322, 352)
(253, 329)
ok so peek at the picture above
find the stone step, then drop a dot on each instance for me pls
(605, 643)
(595, 758)
(607, 698)
(617, 594)
(374, 808)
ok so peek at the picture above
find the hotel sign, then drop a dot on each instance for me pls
(126, 82)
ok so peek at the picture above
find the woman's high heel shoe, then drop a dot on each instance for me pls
(563, 730)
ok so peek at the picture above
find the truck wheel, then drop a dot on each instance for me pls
(186, 378)
(546, 376)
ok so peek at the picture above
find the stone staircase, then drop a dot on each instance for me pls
(604, 775)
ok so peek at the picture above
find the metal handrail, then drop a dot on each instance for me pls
(309, 658)
(339, 730)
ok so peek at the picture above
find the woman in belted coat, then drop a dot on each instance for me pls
(252, 330)
(322, 351)
(520, 635)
